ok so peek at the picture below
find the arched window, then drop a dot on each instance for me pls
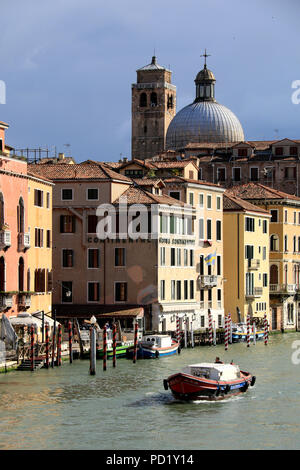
(1, 211)
(21, 274)
(294, 244)
(274, 274)
(170, 102)
(2, 274)
(286, 274)
(274, 243)
(153, 99)
(143, 100)
(21, 216)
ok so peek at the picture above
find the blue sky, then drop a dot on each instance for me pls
(68, 66)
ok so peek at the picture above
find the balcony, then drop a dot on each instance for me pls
(23, 241)
(24, 300)
(208, 281)
(6, 301)
(255, 292)
(253, 264)
(5, 239)
(283, 289)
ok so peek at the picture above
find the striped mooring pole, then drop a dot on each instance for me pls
(226, 333)
(47, 345)
(70, 342)
(248, 330)
(93, 351)
(266, 329)
(210, 328)
(32, 348)
(58, 354)
(114, 344)
(254, 333)
(104, 347)
(178, 329)
(136, 327)
(230, 328)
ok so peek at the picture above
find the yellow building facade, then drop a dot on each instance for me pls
(39, 272)
(246, 260)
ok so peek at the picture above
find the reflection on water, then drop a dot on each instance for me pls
(128, 408)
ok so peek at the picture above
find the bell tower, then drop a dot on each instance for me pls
(153, 108)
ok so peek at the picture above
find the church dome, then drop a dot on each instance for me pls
(204, 120)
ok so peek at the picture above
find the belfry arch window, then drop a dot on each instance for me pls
(170, 102)
(21, 216)
(153, 99)
(1, 211)
(2, 274)
(21, 274)
(143, 100)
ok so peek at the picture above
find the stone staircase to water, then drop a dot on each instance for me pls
(26, 364)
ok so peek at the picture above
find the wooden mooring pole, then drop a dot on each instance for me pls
(93, 351)
(114, 344)
(104, 347)
(32, 348)
(58, 354)
(70, 342)
(53, 340)
(136, 327)
(47, 345)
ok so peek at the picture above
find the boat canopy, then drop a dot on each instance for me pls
(161, 341)
(214, 371)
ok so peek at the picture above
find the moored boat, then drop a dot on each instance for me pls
(155, 346)
(239, 333)
(209, 381)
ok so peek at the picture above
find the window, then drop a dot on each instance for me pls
(162, 256)
(219, 265)
(201, 200)
(67, 194)
(208, 201)
(274, 215)
(67, 258)
(290, 172)
(192, 289)
(191, 198)
(143, 100)
(219, 230)
(39, 234)
(2, 217)
(175, 194)
(170, 102)
(48, 200)
(92, 223)
(93, 291)
(173, 257)
(153, 99)
(120, 254)
(242, 152)
(191, 257)
(21, 275)
(202, 321)
(265, 280)
(208, 229)
(285, 216)
(201, 229)
(264, 256)
(172, 290)
(201, 264)
(178, 256)
(92, 194)
(294, 244)
(49, 281)
(221, 174)
(249, 224)
(120, 291)
(254, 175)
(66, 291)
(185, 257)
(186, 290)
(39, 280)
(93, 258)
(278, 150)
(285, 243)
(21, 216)
(236, 174)
(249, 251)
(191, 175)
(38, 198)
(178, 290)
(48, 238)
(163, 224)
(162, 290)
(274, 243)
(218, 203)
(67, 224)
(293, 151)
(265, 226)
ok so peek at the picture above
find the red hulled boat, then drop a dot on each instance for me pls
(209, 381)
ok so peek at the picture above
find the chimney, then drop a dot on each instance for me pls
(61, 156)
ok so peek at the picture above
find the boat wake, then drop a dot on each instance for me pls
(153, 398)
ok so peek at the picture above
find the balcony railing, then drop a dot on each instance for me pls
(283, 289)
(23, 241)
(255, 292)
(5, 238)
(253, 264)
(208, 281)
(6, 301)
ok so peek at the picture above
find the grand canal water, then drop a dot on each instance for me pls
(128, 408)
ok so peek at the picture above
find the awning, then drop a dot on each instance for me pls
(131, 313)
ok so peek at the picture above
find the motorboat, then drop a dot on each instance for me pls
(155, 346)
(209, 381)
(239, 333)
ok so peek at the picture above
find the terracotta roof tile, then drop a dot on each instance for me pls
(233, 203)
(252, 191)
(137, 195)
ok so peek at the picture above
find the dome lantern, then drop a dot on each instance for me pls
(205, 83)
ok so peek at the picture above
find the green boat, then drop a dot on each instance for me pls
(120, 350)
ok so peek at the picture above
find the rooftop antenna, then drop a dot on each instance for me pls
(68, 148)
